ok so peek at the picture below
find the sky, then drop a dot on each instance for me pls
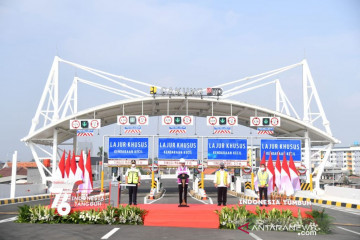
(179, 43)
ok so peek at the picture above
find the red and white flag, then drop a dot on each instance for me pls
(278, 173)
(271, 172)
(295, 180)
(60, 171)
(286, 186)
(68, 166)
(72, 167)
(80, 171)
(88, 181)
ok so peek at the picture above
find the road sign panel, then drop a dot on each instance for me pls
(177, 120)
(128, 148)
(227, 149)
(85, 124)
(176, 148)
(133, 120)
(221, 120)
(280, 146)
(264, 121)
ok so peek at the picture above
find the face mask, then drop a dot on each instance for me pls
(133, 165)
(222, 167)
(263, 169)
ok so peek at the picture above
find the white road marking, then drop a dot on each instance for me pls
(198, 199)
(106, 236)
(349, 230)
(254, 236)
(158, 198)
(340, 209)
(8, 220)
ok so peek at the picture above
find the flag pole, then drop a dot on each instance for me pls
(102, 167)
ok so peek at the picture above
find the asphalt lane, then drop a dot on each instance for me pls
(11, 230)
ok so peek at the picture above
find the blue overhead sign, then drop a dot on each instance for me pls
(176, 148)
(128, 148)
(275, 146)
(227, 149)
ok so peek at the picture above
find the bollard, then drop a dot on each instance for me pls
(252, 181)
(152, 179)
(202, 180)
(102, 181)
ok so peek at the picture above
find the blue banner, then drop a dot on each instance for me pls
(128, 148)
(227, 149)
(176, 148)
(280, 146)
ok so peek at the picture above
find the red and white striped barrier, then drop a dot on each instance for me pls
(133, 131)
(222, 131)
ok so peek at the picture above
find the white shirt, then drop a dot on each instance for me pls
(222, 178)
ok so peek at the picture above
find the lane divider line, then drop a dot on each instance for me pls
(349, 230)
(106, 236)
(254, 236)
(158, 198)
(8, 220)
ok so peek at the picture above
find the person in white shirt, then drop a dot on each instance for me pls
(182, 170)
(222, 182)
(133, 176)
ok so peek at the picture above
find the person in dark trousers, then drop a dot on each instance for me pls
(263, 178)
(222, 182)
(133, 176)
(183, 174)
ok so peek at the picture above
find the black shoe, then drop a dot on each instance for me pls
(261, 205)
(266, 205)
(224, 204)
(219, 204)
(179, 205)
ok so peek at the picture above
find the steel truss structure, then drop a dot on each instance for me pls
(50, 125)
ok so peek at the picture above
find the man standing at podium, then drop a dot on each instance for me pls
(183, 174)
(133, 176)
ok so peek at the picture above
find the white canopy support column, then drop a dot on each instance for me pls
(319, 171)
(307, 155)
(55, 146)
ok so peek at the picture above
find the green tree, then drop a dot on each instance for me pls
(100, 152)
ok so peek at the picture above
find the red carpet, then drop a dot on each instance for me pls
(170, 215)
(195, 216)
